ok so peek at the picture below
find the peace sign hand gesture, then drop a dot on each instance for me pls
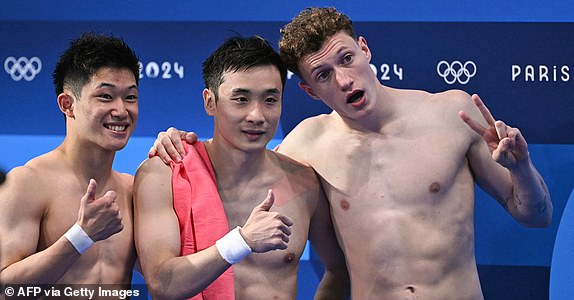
(506, 144)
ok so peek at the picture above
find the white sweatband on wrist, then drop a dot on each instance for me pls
(232, 247)
(79, 238)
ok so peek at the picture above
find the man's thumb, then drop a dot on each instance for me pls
(90, 194)
(268, 202)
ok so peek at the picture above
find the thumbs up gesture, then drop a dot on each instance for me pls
(266, 230)
(99, 218)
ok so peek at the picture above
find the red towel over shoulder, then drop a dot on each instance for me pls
(200, 213)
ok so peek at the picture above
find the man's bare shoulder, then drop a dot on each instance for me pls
(36, 172)
(124, 183)
(27, 187)
(301, 179)
(152, 174)
(301, 140)
(310, 126)
(153, 165)
(455, 98)
(292, 166)
(446, 107)
(18, 181)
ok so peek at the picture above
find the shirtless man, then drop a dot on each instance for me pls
(399, 166)
(66, 216)
(244, 81)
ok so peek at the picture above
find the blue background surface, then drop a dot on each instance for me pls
(514, 262)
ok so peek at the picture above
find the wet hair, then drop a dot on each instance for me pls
(306, 33)
(86, 55)
(239, 54)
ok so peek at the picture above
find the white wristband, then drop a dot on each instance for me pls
(232, 247)
(79, 238)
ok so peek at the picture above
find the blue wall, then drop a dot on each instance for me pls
(172, 39)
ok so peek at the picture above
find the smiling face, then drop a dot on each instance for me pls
(340, 75)
(248, 107)
(107, 111)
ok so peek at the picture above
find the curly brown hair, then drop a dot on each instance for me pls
(306, 33)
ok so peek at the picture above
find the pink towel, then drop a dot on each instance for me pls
(200, 213)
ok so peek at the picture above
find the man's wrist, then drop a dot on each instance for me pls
(79, 238)
(232, 247)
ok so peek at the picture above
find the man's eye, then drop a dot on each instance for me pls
(322, 76)
(348, 58)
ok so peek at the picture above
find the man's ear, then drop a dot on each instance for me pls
(209, 102)
(66, 104)
(364, 47)
(308, 90)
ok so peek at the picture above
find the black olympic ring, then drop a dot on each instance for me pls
(22, 67)
(456, 71)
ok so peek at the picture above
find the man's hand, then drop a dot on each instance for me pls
(168, 145)
(506, 144)
(99, 218)
(265, 230)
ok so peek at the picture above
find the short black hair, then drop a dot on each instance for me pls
(240, 53)
(86, 55)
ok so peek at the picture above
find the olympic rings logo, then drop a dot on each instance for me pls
(22, 67)
(456, 71)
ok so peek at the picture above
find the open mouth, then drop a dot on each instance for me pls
(356, 96)
(117, 128)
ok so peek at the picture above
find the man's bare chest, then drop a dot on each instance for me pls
(415, 165)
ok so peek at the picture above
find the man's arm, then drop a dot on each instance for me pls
(335, 283)
(170, 276)
(502, 166)
(21, 210)
(156, 232)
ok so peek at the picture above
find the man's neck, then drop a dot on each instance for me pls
(233, 166)
(87, 161)
(381, 113)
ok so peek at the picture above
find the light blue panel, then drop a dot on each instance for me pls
(562, 268)
(128, 159)
(16, 150)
